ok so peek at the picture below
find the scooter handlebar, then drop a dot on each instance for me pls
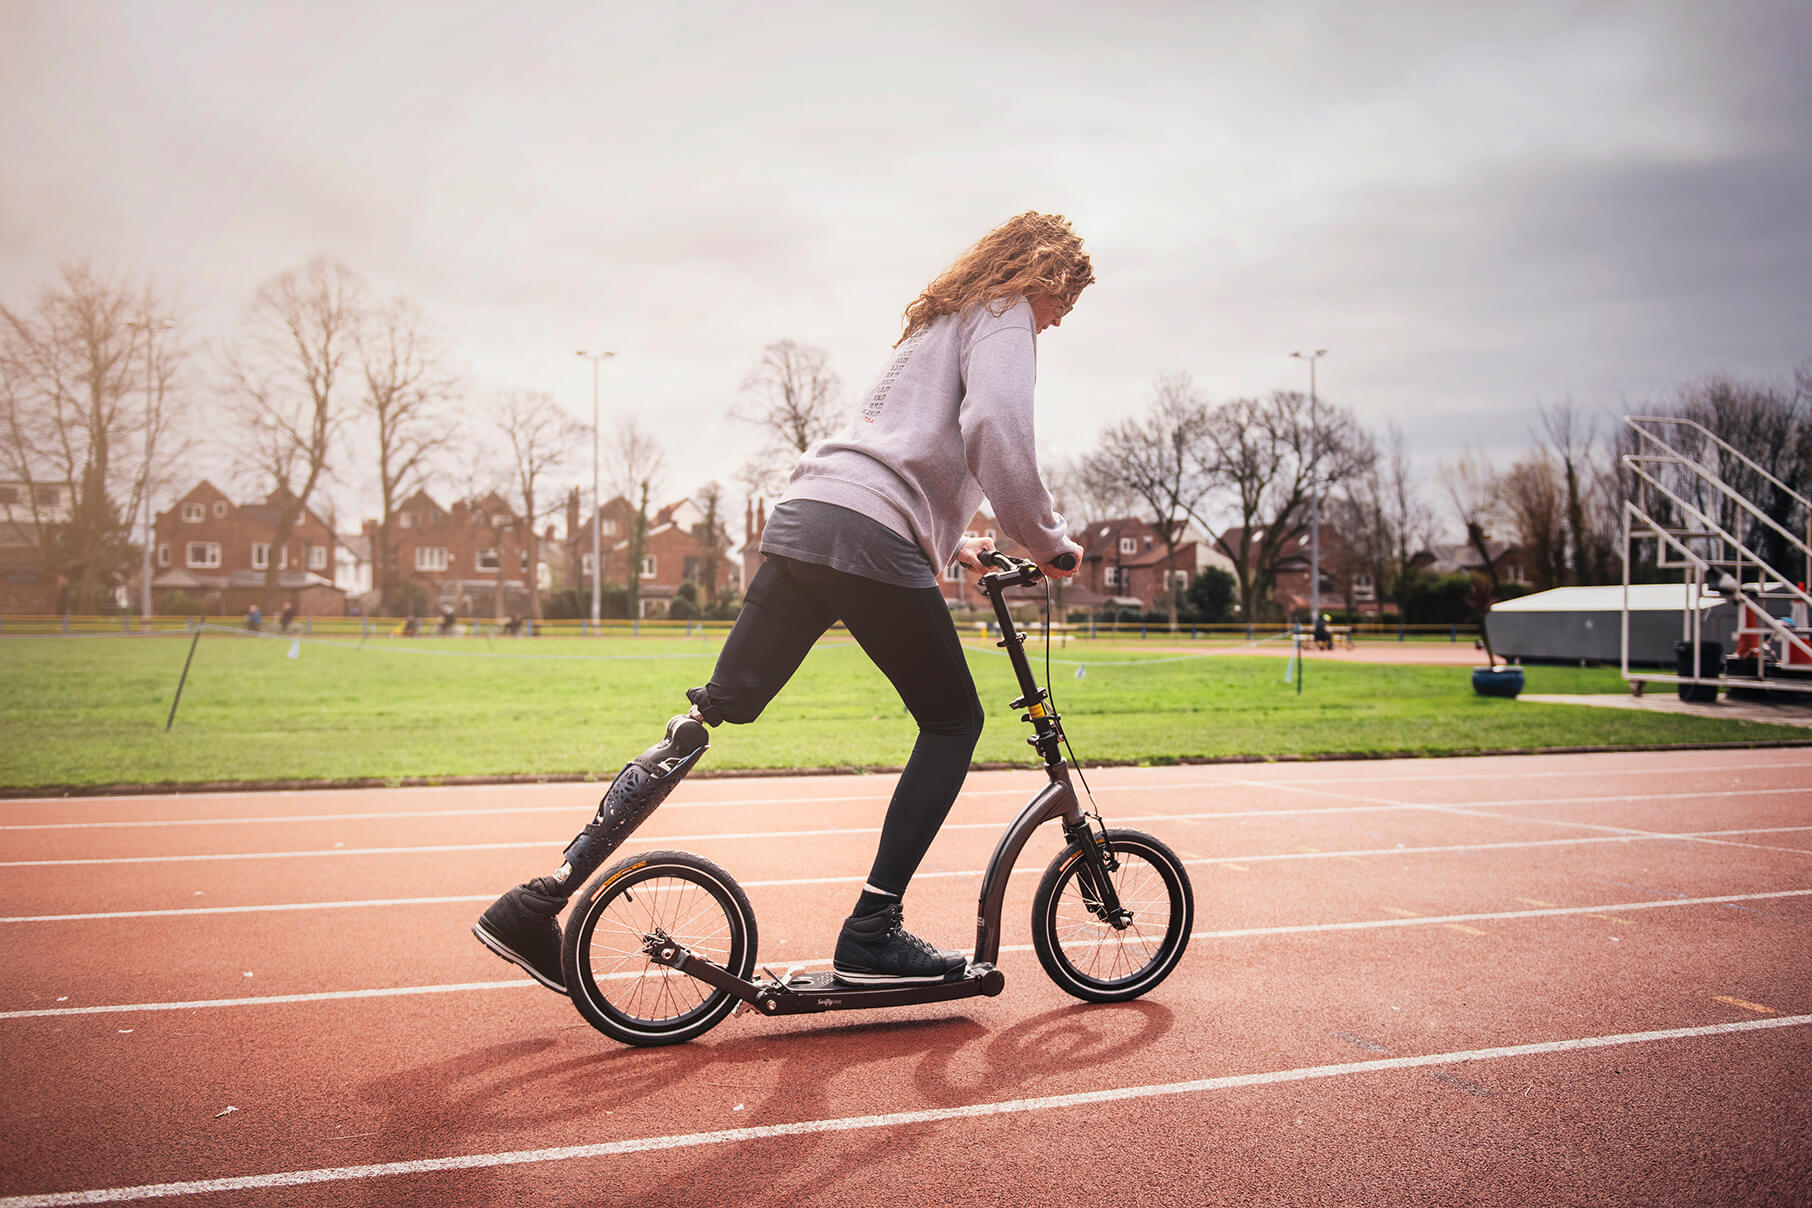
(1023, 570)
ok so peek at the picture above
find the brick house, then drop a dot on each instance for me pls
(675, 550)
(216, 552)
(1446, 559)
(26, 584)
(472, 556)
(1344, 581)
(1125, 564)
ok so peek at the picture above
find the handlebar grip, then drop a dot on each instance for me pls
(994, 557)
(1064, 561)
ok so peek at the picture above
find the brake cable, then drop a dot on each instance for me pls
(1094, 811)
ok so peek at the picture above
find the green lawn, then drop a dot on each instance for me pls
(91, 710)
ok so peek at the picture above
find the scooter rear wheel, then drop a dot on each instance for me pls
(1087, 954)
(612, 981)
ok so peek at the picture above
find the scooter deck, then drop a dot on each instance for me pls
(808, 993)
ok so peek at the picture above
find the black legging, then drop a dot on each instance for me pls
(908, 633)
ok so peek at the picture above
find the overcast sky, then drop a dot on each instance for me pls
(1476, 208)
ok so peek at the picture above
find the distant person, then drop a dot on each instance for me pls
(1324, 637)
(287, 617)
(410, 627)
(447, 620)
(870, 519)
(254, 618)
(513, 626)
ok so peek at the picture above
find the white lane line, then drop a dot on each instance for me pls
(576, 809)
(1107, 778)
(605, 1149)
(654, 840)
(1236, 933)
(1363, 805)
(579, 812)
(1627, 832)
(1200, 861)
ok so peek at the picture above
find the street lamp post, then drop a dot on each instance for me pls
(144, 579)
(1314, 488)
(597, 564)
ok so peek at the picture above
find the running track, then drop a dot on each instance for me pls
(1523, 981)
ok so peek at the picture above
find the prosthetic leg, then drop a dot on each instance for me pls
(521, 926)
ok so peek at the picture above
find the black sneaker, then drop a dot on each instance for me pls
(523, 928)
(874, 948)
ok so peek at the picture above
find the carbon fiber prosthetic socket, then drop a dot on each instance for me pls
(643, 784)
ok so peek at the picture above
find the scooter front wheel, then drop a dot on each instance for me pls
(1093, 956)
(643, 900)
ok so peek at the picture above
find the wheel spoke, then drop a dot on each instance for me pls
(1099, 953)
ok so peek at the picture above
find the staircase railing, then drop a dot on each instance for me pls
(1718, 562)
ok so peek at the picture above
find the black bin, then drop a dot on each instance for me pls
(1711, 661)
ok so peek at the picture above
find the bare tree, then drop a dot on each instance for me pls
(1265, 457)
(1473, 489)
(1158, 460)
(406, 392)
(634, 463)
(1082, 495)
(1571, 434)
(287, 383)
(794, 399)
(711, 538)
(1368, 512)
(1411, 519)
(541, 437)
(1534, 496)
(81, 407)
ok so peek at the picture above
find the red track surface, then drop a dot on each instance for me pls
(1540, 980)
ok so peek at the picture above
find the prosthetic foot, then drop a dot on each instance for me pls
(523, 925)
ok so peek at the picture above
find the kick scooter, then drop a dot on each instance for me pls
(661, 946)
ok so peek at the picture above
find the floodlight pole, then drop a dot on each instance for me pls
(1314, 489)
(144, 585)
(597, 564)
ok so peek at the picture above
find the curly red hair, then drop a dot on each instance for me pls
(1029, 253)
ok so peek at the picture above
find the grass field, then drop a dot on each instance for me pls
(85, 711)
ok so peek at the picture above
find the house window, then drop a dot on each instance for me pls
(989, 534)
(317, 557)
(1129, 545)
(488, 560)
(9, 495)
(193, 513)
(47, 497)
(204, 553)
(1513, 573)
(430, 557)
(585, 565)
(163, 555)
(219, 508)
(261, 555)
(1180, 578)
(609, 527)
(407, 520)
(1115, 576)
(953, 573)
(648, 567)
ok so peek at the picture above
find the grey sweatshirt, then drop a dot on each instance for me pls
(948, 423)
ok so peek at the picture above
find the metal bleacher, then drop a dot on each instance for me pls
(1702, 526)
